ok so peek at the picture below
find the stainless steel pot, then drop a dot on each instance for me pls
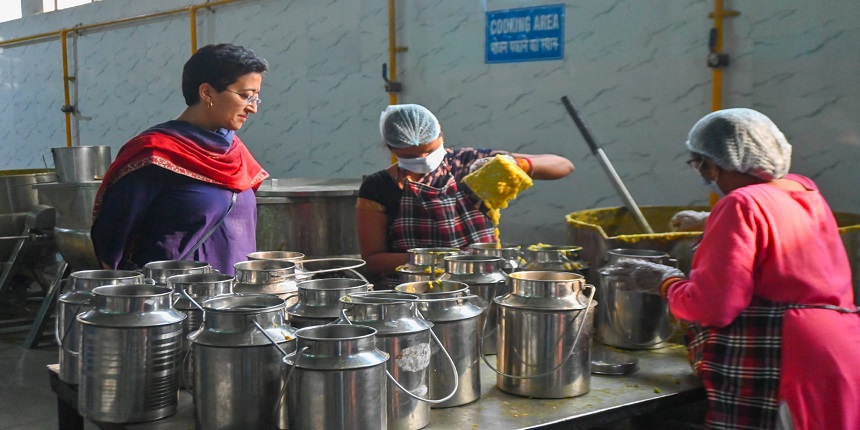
(129, 355)
(159, 271)
(77, 300)
(292, 256)
(18, 195)
(555, 258)
(266, 276)
(237, 378)
(336, 378)
(313, 215)
(319, 300)
(456, 323)
(81, 163)
(486, 279)
(74, 203)
(511, 255)
(545, 329)
(629, 317)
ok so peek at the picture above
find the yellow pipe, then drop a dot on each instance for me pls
(29, 38)
(192, 10)
(193, 19)
(717, 72)
(718, 14)
(67, 97)
(392, 49)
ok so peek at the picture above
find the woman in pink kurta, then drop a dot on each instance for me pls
(775, 334)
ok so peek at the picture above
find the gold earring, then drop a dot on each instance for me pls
(210, 105)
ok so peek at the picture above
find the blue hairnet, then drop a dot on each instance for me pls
(742, 140)
(407, 125)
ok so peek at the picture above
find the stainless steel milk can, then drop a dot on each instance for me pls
(486, 279)
(511, 255)
(197, 287)
(277, 277)
(336, 379)
(555, 258)
(545, 329)
(237, 371)
(129, 354)
(425, 264)
(628, 317)
(456, 323)
(319, 300)
(159, 271)
(405, 336)
(77, 300)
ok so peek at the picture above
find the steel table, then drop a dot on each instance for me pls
(664, 380)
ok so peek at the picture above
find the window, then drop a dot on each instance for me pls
(52, 5)
(9, 10)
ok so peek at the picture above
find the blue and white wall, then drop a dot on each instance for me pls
(635, 69)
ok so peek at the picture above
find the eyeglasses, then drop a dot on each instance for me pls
(252, 99)
(693, 163)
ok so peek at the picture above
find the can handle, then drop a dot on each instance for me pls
(567, 357)
(453, 367)
(262, 330)
(62, 342)
(283, 391)
(190, 299)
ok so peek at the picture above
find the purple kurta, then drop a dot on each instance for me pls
(166, 213)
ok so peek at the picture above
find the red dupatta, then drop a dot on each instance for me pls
(235, 169)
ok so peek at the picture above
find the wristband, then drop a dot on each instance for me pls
(664, 286)
(526, 165)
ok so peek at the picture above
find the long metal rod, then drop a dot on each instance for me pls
(607, 167)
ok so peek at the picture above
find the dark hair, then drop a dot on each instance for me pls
(218, 65)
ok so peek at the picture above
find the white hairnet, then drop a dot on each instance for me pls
(742, 140)
(407, 125)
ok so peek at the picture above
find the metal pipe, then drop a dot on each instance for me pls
(717, 15)
(607, 167)
(392, 49)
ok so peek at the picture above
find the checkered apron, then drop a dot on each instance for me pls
(740, 367)
(433, 217)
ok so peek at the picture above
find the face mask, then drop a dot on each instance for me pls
(716, 189)
(423, 164)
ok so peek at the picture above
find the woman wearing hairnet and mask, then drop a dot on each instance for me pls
(775, 334)
(420, 202)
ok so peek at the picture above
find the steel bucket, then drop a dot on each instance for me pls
(319, 300)
(77, 300)
(334, 379)
(129, 347)
(545, 329)
(274, 277)
(555, 258)
(511, 255)
(486, 279)
(630, 318)
(159, 271)
(405, 336)
(191, 288)
(237, 377)
(292, 256)
(457, 325)
(81, 163)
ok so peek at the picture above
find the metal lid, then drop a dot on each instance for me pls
(605, 362)
(309, 187)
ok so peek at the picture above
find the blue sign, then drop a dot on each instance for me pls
(525, 34)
